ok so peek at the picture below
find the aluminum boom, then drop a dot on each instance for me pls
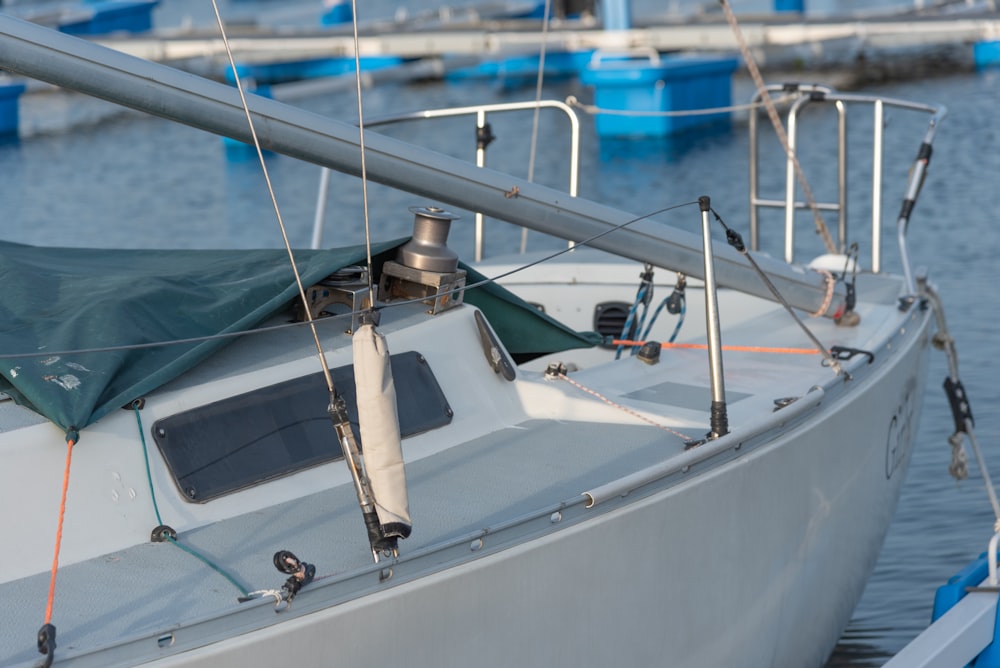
(41, 53)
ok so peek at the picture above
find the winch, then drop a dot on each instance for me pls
(425, 268)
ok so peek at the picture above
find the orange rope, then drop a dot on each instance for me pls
(740, 349)
(62, 513)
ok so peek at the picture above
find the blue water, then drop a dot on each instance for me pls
(134, 181)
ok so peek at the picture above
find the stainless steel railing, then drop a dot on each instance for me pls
(803, 95)
(480, 111)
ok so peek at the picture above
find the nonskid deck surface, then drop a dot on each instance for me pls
(149, 588)
(152, 587)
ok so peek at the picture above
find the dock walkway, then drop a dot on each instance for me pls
(775, 39)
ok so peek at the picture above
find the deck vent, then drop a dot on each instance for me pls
(610, 317)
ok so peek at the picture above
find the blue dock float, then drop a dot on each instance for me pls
(656, 84)
(986, 54)
(950, 593)
(107, 16)
(9, 116)
(522, 70)
(798, 6)
(337, 12)
(312, 68)
(965, 629)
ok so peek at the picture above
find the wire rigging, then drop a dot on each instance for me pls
(274, 199)
(734, 239)
(546, 13)
(361, 144)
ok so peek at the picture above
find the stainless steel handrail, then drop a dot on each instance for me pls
(789, 204)
(480, 111)
(813, 93)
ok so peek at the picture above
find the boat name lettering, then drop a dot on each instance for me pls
(900, 434)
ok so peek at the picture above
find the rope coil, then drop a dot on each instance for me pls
(831, 284)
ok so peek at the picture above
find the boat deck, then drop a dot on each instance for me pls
(324, 529)
(525, 468)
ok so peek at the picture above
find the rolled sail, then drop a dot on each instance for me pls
(379, 428)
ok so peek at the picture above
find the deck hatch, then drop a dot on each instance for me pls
(277, 430)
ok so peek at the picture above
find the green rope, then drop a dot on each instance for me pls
(145, 455)
(208, 562)
(152, 494)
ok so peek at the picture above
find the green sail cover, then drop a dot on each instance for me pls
(58, 300)
(65, 299)
(525, 331)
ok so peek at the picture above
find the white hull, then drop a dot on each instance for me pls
(758, 563)
(750, 556)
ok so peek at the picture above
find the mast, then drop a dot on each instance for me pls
(41, 53)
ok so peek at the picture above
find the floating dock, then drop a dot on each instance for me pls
(852, 50)
(777, 40)
(964, 629)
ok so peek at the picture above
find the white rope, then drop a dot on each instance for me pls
(986, 475)
(277, 595)
(959, 466)
(620, 407)
(831, 283)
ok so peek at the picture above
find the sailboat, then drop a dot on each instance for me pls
(376, 456)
